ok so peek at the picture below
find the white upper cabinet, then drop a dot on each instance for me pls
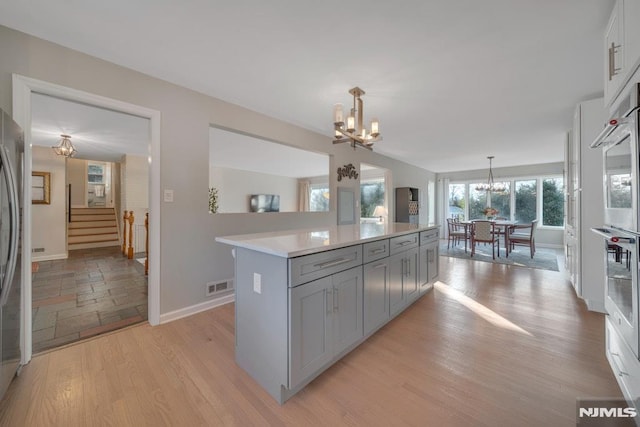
(630, 19)
(621, 47)
(614, 49)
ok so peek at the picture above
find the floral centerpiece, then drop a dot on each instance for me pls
(490, 212)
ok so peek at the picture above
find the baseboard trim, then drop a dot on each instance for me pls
(49, 257)
(549, 245)
(597, 306)
(197, 308)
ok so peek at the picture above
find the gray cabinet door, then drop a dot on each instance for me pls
(423, 268)
(433, 256)
(428, 266)
(410, 289)
(396, 276)
(376, 294)
(347, 309)
(310, 328)
(403, 284)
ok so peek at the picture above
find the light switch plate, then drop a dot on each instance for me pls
(168, 195)
(257, 283)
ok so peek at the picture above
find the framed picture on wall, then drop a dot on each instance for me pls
(40, 188)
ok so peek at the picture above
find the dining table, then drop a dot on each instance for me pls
(504, 224)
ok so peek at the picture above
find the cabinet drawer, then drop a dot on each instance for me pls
(428, 236)
(402, 243)
(311, 267)
(375, 250)
(625, 366)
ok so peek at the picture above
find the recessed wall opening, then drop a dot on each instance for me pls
(374, 200)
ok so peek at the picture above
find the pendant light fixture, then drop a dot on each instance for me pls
(491, 186)
(65, 147)
(354, 131)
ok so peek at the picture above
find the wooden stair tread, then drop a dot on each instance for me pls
(112, 236)
(92, 227)
(73, 246)
(87, 226)
(90, 232)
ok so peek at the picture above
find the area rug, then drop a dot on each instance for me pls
(544, 258)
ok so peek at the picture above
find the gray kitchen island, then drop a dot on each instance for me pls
(305, 298)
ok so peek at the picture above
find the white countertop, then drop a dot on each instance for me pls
(293, 243)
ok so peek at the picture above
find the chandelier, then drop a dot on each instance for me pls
(353, 131)
(65, 147)
(491, 186)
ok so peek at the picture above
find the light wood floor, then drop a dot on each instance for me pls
(491, 345)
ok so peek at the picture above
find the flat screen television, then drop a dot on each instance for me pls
(264, 203)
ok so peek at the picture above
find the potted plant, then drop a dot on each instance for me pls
(213, 200)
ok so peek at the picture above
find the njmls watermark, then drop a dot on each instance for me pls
(606, 412)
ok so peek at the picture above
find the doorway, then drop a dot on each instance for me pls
(24, 90)
(99, 184)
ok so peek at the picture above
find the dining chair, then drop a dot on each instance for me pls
(523, 234)
(484, 232)
(502, 230)
(457, 231)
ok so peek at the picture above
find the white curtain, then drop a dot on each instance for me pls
(443, 211)
(304, 186)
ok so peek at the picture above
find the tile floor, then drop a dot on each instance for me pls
(91, 292)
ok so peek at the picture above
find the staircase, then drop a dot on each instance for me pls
(92, 228)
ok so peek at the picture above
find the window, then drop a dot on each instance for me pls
(457, 200)
(502, 201)
(95, 173)
(552, 202)
(526, 196)
(371, 195)
(319, 197)
(477, 202)
(523, 201)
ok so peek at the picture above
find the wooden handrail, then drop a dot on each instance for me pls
(69, 204)
(125, 219)
(131, 219)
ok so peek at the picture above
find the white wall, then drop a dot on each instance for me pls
(77, 177)
(49, 230)
(135, 197)
(135, 181)
(117, 189)
(235, 186)
(190, 256)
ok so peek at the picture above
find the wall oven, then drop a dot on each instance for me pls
(621, 231)
(621, 286)
(619, 141)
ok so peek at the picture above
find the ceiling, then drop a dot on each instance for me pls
(97, 133)
(451, 81)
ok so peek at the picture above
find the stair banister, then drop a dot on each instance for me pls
(131, 219)
(125, 219)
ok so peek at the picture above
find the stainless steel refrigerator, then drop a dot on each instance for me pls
(11, 181)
